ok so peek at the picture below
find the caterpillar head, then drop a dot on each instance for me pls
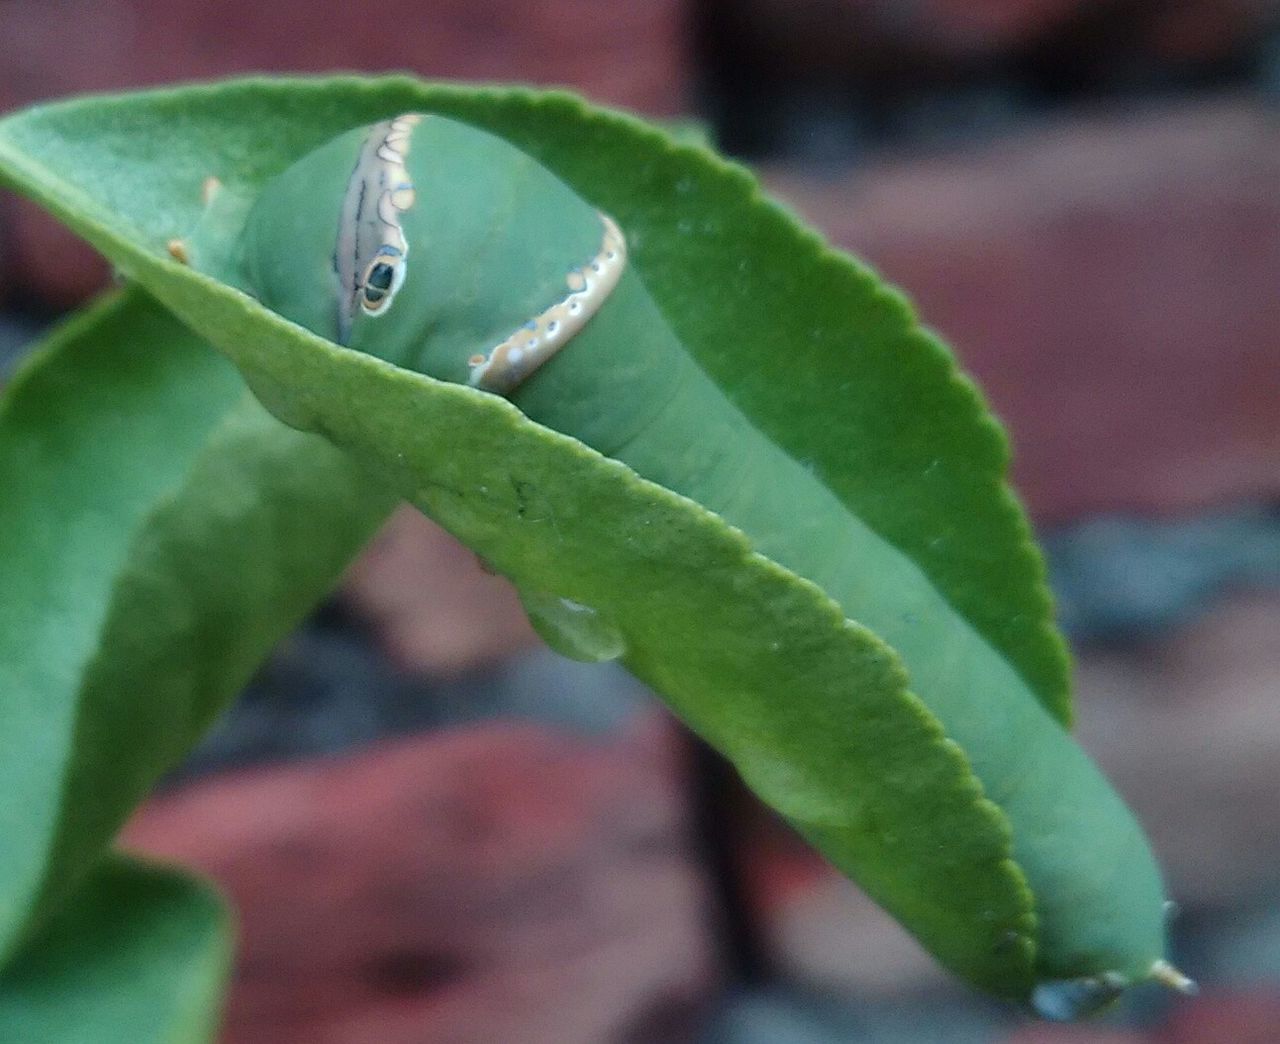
(477, 262)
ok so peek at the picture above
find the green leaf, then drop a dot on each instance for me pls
(138, 954)
(159, 531)
(1041, 874)
(927, 472)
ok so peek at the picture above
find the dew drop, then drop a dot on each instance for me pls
(573, 629)
(1062, 1000)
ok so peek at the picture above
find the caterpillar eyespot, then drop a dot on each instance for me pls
(381, 281)
(371, 250)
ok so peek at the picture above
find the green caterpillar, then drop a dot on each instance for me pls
(444, 249)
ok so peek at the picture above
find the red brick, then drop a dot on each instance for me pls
(435, 609)
(620, 53)
(1188, 729)
(1111, 283)
(1226, 1017)
(496, 883)
(616, 52)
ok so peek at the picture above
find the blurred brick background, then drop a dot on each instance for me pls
(617, 52)
(435, 830)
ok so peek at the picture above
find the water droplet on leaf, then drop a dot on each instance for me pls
(573, 629)
(1062, 1000)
